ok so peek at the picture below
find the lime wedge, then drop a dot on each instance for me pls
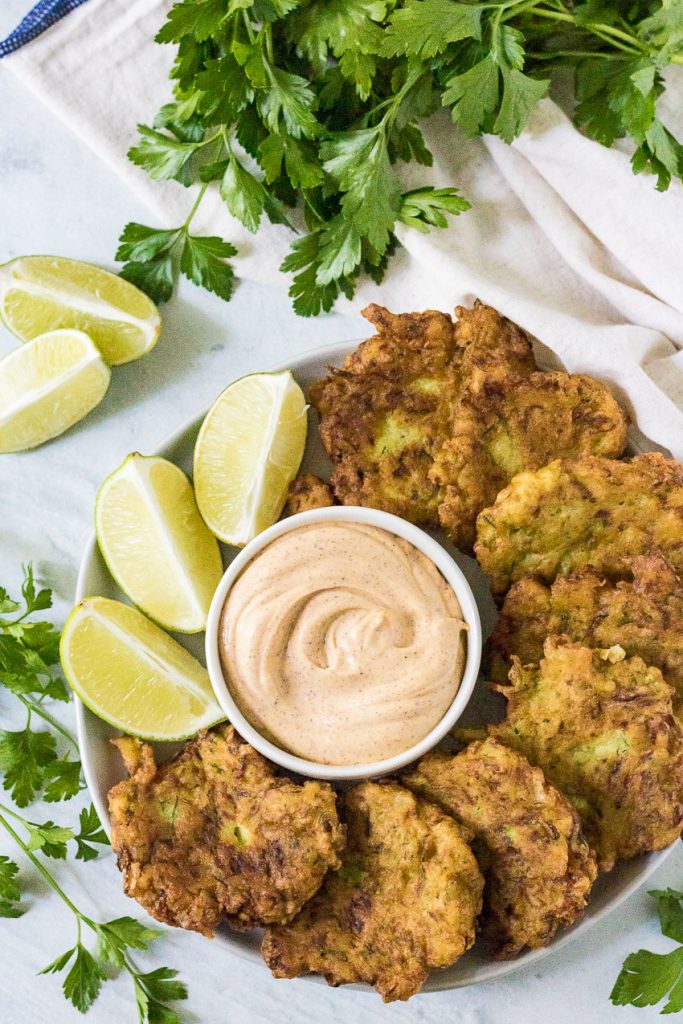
(47, 386)
(156, 545)
(133, 675)
(41, 293)
(248, 452)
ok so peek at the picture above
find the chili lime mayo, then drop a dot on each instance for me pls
(342, 643)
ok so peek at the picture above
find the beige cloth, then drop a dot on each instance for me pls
(562, 237)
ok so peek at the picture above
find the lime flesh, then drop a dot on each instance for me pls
(249, 450)
(42, 293)
(133, 675)
(156, 545)
(48, 385)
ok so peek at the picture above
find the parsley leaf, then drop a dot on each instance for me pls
(427, 207)
(163, 156)
(359, 163)
(49, 838)
(35, 600)
(203, 261)
(156, 276)
(473, 96)
(63, 780)
(290, 98)
(423, 28)
(243, 194)
(23, 758)
(648, 978)
(90, 831)
(310, 297)
(115, 937)
(10, 893)
(520, 95)
(197, 18)
(83, 982)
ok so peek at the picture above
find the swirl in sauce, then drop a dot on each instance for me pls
(342, 643)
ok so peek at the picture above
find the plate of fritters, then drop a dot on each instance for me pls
(562, 788)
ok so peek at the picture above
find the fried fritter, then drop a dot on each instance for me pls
(307, 492)
(385, 415)
(515, 423)
(529, 844)
(589, 511)
(644, 616)
(601, 726)
(404, 901)
(213, 834)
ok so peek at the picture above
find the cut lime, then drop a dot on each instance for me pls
(47, 386)
(42, 293)
(133, 675)
(248, 452)
(156, 545)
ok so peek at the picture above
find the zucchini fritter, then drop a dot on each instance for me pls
(387, 412)
(602, 728)
(589, 511)
(213, 834)
(644, 616)
(516, 423)
(404, 901)
(429, 419)
(307, 492)
(529, 844)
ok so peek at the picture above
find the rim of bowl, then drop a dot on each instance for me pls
(448, 569)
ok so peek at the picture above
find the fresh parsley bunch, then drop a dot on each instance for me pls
(31, 765)
(311, 105)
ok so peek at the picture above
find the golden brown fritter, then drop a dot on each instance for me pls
(644, 616)
(589, 511)
(404, 901)
(307, 492)
(529, 844)
(514, 423)
(213, 834)
(387, 412)
(602, 728)
(492, 347)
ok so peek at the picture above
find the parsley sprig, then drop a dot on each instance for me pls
(302, 111)
(154, 990)
(30, 761)
(32, 766)
(649, 978)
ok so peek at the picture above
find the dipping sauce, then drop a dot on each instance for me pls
(342, 643)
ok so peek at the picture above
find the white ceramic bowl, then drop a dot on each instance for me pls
(448, 569)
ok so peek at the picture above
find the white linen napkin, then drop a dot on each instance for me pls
(562, 237)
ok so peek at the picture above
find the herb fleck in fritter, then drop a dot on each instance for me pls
(643, 615)
(602, 728)
(515, 423)
(213, 834)
(584, 512)
(404, 901)
(529, 844)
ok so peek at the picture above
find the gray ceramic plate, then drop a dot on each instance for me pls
(102, 764)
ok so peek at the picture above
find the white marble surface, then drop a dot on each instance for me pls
(56, 197)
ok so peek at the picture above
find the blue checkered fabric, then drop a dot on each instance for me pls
(40, 17)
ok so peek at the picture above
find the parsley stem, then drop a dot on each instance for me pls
(580, 54)
(247, 24)
(32, 706)
(49, 878)
(195, 206)
(607, 33)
